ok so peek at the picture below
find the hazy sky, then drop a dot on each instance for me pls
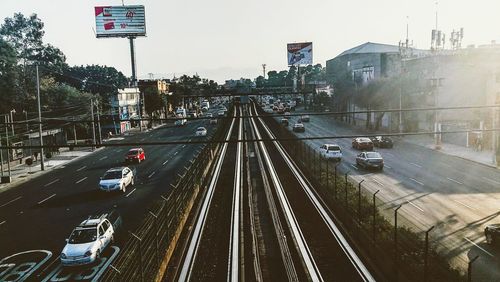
(223, 39)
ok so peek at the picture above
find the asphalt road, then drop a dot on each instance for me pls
(41, 213)
(457, 196)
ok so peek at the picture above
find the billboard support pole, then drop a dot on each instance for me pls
(134, 77)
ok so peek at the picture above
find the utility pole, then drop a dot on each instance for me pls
(98, 122)
(28, 132)
(42, 165)
(74, 131)
(7, 143)
(143, 109)
(93, 124)
(264, 70)
(13, 111)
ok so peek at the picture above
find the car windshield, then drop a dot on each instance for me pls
(364, 140)
(201, 129)
(373, 155)
(81, 236)
(333, 148)
(133, 152)
(112, 175)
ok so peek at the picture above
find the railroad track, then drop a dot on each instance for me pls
(260, 219)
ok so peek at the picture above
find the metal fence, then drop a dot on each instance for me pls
(147, 251)
(398, 249)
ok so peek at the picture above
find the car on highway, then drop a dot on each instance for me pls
(213, 121)
(221, 113)
(299, 127)
(192, 114)
(305, 118)
(209, 115)
(117, 178)
(362, 143)
(382, 142)
(90, 238)
(180, 122)
(331, 151)
(284, 121)
(370, 160)
(201, 131)
(492, 233)
(135, 155)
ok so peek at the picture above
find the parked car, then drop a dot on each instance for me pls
(382, 142)
(135, 155)
(362, 143)
(180, 122)
(305, 118)
(117, 178)
(284, 121)
(492, 233)
(331, 151)
(370, 160)
(90, 238)
(201, 131)
(299, 127)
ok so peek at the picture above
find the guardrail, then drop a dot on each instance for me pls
(394, 245)
(148, 250)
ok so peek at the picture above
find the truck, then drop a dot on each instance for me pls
(90, 238)
(205, 104)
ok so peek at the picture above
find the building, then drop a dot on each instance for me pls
(124, 107)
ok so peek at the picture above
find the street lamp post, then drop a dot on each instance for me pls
(13, 111)
(42, 165)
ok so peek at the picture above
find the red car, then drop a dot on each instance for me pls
(362, 143)
(135, 155)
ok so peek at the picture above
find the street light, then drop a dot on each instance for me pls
(28, 132)
(13, 111)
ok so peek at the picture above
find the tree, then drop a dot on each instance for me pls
(9, 78)
(25, 34)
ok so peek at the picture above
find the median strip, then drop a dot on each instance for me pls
(11, 201)
(46, 199)
(50, 183)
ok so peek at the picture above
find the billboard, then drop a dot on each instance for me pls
(299, 53)
(120, 21)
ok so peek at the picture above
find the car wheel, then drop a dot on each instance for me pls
(138, 160)
(124, 189)
(489, 238)
(98, 255)
(132, 182)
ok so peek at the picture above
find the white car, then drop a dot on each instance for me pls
(117, 178)
(180, 122)
(201, 131)
(221, 113)
(89, 239)
(209, 115)
(331, 151)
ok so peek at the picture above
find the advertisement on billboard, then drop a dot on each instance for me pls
(120, 21)
(299, 53)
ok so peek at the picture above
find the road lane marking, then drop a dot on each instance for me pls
(387, 166)
(417, 165)
(453, 180)
(3, 222)
(470, 241)
(176, 153)
(184, 146)
(420, 209)
(50, 183)
(494, 181)
(416, 181)
(153, 173)
(130, 193)
(103, 158)
(165, 162)
(354, 167)
(46, 199)
(465, 205)
(81, 180)
(11, 201)
(378, 182)
(83, 167)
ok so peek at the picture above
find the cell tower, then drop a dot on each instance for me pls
(456, 39)
(264, 70)
(438, 37)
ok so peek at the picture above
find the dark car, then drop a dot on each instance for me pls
(382, 142)
(492, 233)
(299, 127)
(284, 121)
(370, 160)
(362, 143)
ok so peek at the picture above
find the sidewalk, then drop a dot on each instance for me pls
(22, 172)
(484, 157)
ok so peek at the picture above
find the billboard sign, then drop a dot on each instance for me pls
(299, 53)
(120, 21)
